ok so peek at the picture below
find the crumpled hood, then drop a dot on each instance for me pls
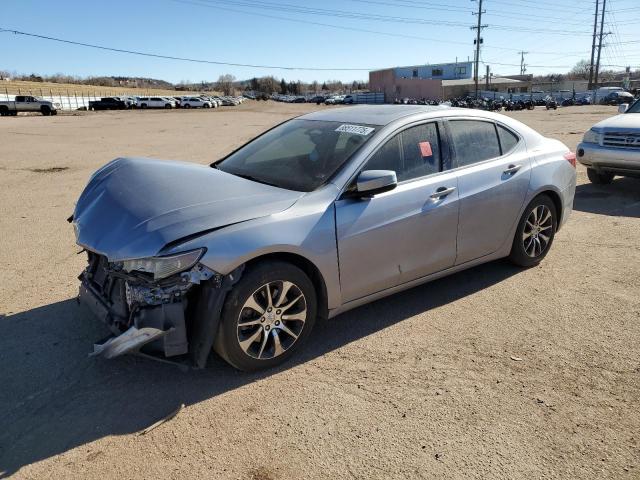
(619, 123)
(132, 207)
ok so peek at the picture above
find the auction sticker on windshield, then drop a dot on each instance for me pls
(357, 129)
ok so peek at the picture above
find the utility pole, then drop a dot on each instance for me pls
(523, 67)
(478, 40)
(602, 35)
(487, 79)
(593, 46)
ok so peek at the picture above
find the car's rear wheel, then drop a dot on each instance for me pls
(267, 316)
(599, 178)
(535, 232)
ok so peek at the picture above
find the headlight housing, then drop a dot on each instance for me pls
(163, 267)
(591, 136)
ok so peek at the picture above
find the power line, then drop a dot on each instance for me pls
(289, 8)
(355, 29)
(170, 57)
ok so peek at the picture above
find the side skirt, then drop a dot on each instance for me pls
(413, 283)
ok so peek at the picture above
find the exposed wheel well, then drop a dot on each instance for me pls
(307, 267)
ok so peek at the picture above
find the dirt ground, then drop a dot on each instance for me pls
(419, 385)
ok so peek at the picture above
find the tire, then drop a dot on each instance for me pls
(265, 330)
(188, 105)
(144, 105)
(168, 106)
(46, 111)
(4, 111)
(599, 178)
(528, 249)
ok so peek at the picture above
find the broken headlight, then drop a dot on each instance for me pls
(162, 267)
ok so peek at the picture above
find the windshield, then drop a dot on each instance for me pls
(298, 155)
(635, 107)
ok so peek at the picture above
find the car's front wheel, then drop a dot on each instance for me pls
(599, 178)
(267, 316)
(535, 232)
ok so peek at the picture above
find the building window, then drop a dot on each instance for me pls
(436, 72)
(415, 73)
(461, 70)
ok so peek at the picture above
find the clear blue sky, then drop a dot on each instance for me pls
(209, 29)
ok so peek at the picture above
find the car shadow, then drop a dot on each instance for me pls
(621, 198)
(55, 398)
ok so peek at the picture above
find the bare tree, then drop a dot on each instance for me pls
(580, 70)
(225, 84)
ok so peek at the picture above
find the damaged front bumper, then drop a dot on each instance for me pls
(171, 317)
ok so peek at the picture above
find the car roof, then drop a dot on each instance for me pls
(370, 114)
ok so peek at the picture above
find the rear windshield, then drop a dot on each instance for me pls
(298, 155)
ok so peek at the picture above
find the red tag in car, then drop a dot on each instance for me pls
(425, 149)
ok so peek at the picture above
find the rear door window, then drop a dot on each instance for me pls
(508, 139)
(474, 141)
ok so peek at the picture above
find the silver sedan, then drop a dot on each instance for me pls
(321, 214)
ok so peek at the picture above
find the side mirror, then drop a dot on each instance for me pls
(372, 182)
(623, 107)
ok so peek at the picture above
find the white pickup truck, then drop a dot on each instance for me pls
(27, 103)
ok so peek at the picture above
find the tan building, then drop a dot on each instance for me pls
(395, 87)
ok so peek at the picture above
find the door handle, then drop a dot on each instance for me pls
(442, 192)
(512, 169)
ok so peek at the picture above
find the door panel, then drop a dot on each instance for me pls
(491, 196)
(397, 236)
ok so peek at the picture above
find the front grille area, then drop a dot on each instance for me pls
(112, 290)
(622, 140)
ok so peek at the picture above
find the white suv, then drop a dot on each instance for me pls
(194, 102)
(156, 102)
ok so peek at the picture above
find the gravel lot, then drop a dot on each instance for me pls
(419, 385)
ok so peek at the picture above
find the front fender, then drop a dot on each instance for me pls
(305, 230)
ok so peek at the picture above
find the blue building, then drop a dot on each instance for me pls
(441, 71)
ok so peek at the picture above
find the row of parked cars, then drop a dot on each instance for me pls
(186, 101)
(319, 99)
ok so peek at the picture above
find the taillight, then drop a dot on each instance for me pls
(571, 158)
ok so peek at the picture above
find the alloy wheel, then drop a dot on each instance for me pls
(537, 231)
(271, 320)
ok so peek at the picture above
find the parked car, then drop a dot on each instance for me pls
(109, 103)
(212, 100)
(602, 92)
(617, 98)
(229, 101)
(612, 147)
(333, 100)
(318, 99)
(195, 102)
(28, 103)
(156, 102)
(348, 100)
(321, 214)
